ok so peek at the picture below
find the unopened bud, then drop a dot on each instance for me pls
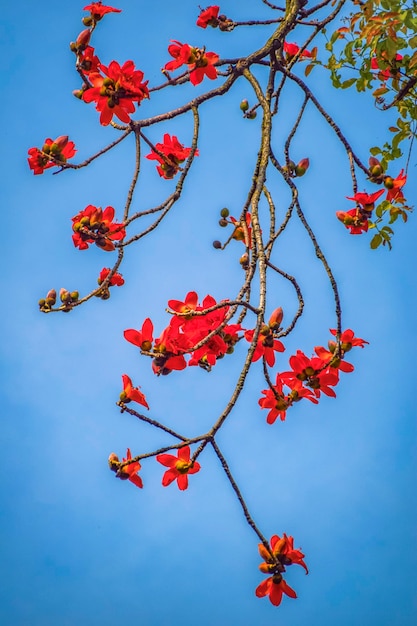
(223, 223)
(302, 167)
(244, 106)
(388, 182)
(224, 212)
(217, 244)
(87, 21)
(113, 462)
(251, 115)
(51, 295)
(276, 319)
(83, 38)
(74, 296)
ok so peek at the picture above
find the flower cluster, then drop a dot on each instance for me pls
(169, 154)
(53, 152)
(205, 337)
(179, 467)
(266, 344)
(115, 90)
(279, 555)
(93, 225)
(309, 378)
(200, 63)
(116, 279)
(211, 17)
(386, 69)
(357, 220)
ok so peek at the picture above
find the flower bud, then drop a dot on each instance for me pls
(87, 21)
(83, 39)
(113, 462)
(244, 261)
(217, 244)
(42, 303)
(51, 295)
(74, 296)
(302, 167)
(251, 115)
(244, 106)
(388, 182)
(223, 223)
(224, 212)
(276, 319)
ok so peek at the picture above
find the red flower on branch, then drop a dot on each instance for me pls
(266, 345)
(200, 63)
(388, 72)
(98, 10)
(128, 471)
(143, 339)
(208, 17)
(179, 467)
(312, 373)
(356, 221)
(274, 587)
(348, 339)
(116, 279)
(116, 91)
(394, 186)
(291, 49)
(366, 201)
(278, 402)
(54, 152)
(132, 393)
(93, 225)
(170, 155)
(87, 61)
(283, 553)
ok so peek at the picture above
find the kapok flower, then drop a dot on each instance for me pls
(291, 49)
(390, 67)
(208, 17)
(179, 467)
(132, 393)
(266, 345)
(115, 93)
(53, 152)
(279, 402)
(394, 186)
(200, 63)
(365, 200)
(128, 471)
(282, 554)
(93, 225)
(354, 220)
(87, 61)
(274, 587)
(98, 10)
(143, 339)
(189, 305)
(116, 279)
(170, 155)
(348, 340)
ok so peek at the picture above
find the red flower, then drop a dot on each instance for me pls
(200, 63)
(87, 61)
(366, 201)
(179, 467)
(266, 345)
(355, 220)
(115, 92)
(128, 471)
(144, 338)
(239, 232)
(390, 71)
(278, 402)
(98, 9)
(116, 279)
(313, 373)
(291, 49)
(274, 587)
(208, 17)
(394, 186)
(190, 303)
(283, 554)
(54, 152)
(132, 393)
(96, 226)
(348, 339)
(172, 153)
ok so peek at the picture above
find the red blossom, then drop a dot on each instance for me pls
(291, 49)
(278, 402)
(348, 340)
(274, 587)
(312, 373)
(366, 201)
(87, 61)
(116, 279)
(208, 17)
(388, 72)
(93, 225)
(243, 232)
(143, 339)
(170, 155)
(53, 152)
(179, 467)
(394, 186)
(98, 9)
(354, 220)
(132, 393)
(200, 63)
(116, 91)
(128, 471)
(266, 345)
(281, 553)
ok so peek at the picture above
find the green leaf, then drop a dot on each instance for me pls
(376, 241)
(375, 150)
(348, 83)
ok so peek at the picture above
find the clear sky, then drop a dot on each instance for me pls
(78, 546)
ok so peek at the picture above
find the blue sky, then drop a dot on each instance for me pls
(83, 548)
